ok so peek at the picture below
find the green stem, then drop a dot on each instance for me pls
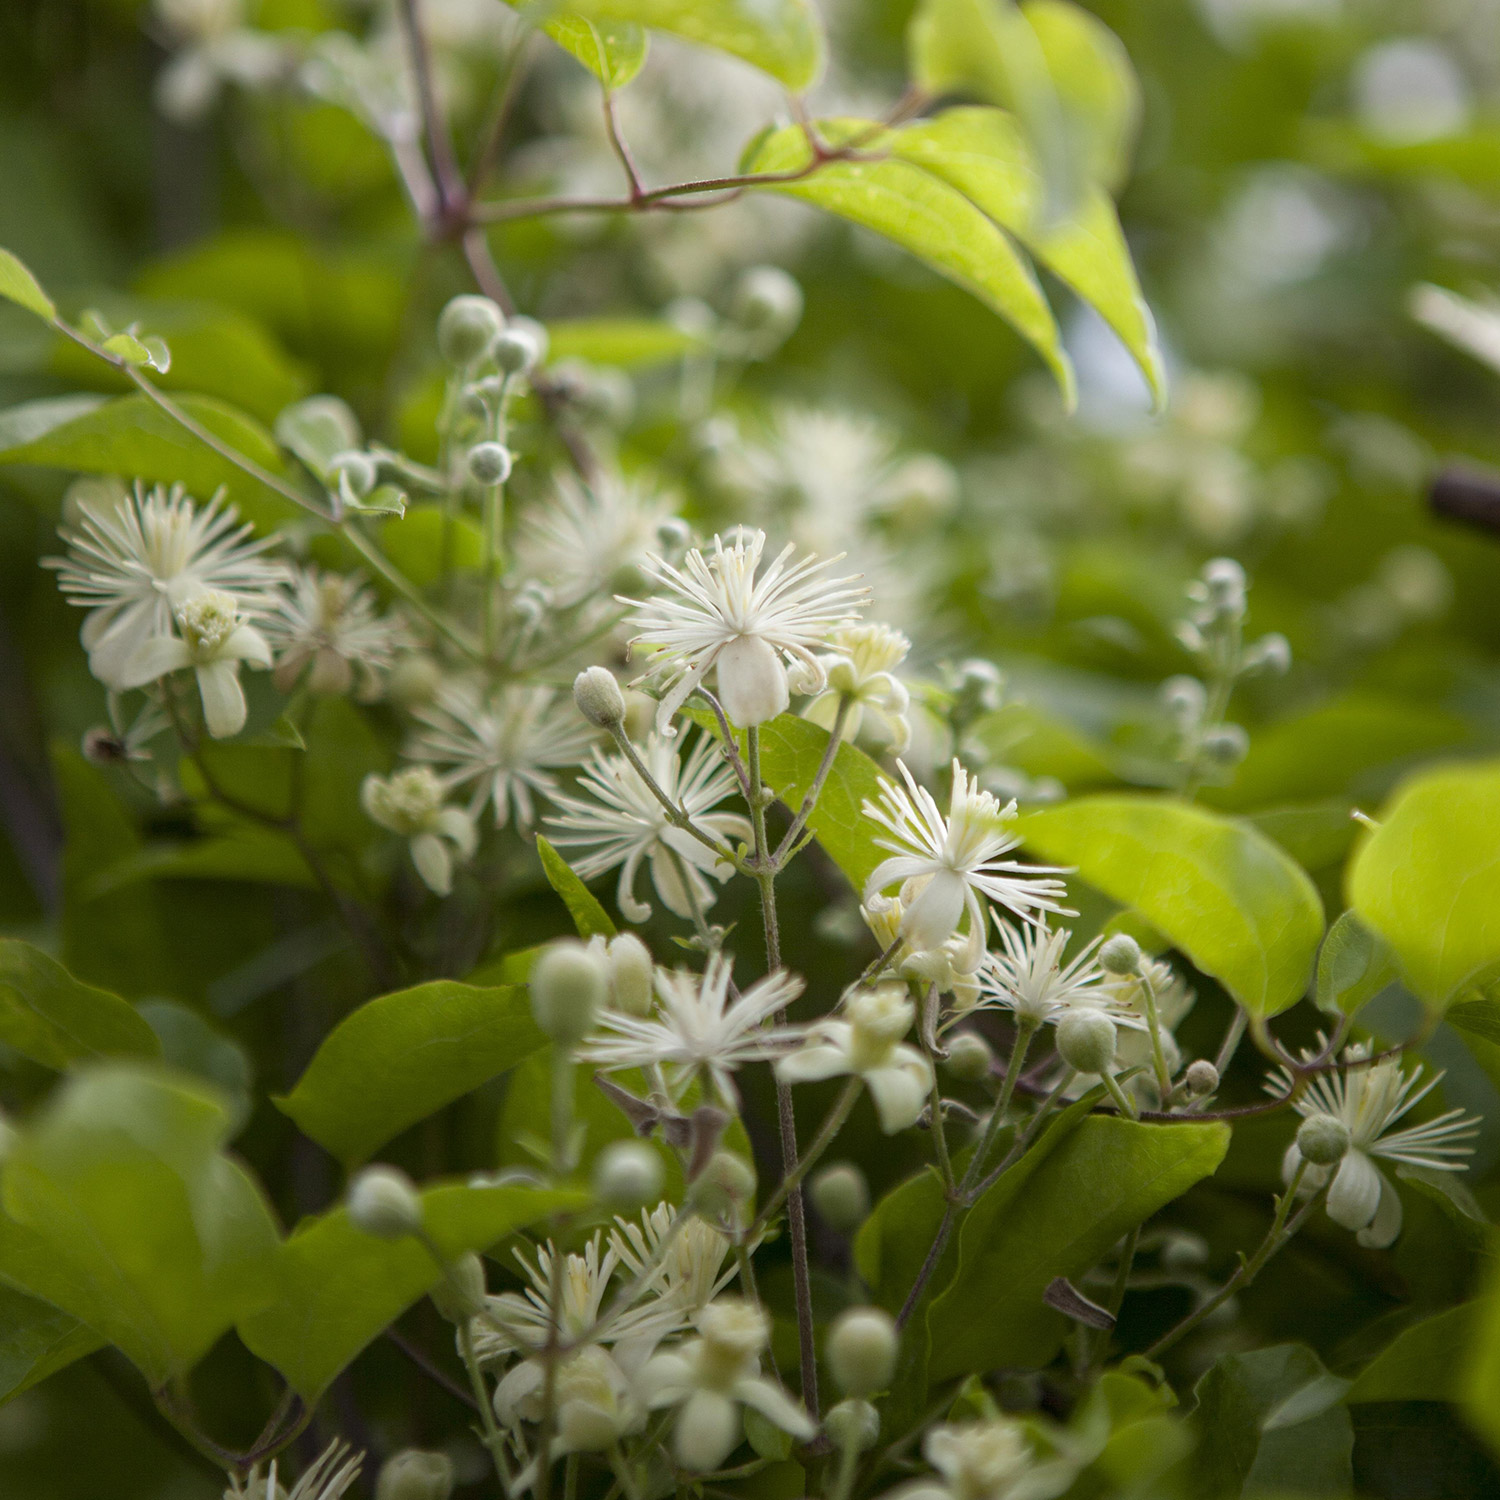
(494, 1439)
(562, 1111)
(833, 1122)
(1153, 1021)
(677, 816)
(810, 801)
(1025, 1030)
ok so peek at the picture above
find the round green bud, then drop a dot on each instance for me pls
(628, 1175)
(1184, 1252)
(768, 301)
(1086, 1041)
(861, 1350)
(358, 468)
(569, 987)
(1271, 654)
(415, 1475)
(1322, 1140)
(724, 1184)
(841, 1196)
(853, 1424)
(520, 349)
(466, 328)
(460, 1294)
(1225, 744)
(414, 680)
(969, 1057)
(1120, 955)
(1202, 1077)
(489, 463)
(631, 973)
(599, 697)
(384, 1202)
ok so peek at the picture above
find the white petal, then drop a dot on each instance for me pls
(900, 1094)
(663, 1379)
(707, 1432)
(247, 644)
(152, 658)
(434, 864)
(458, 828)
(1355, 1194)
(1386, 1224)
(930, 920)
(811, 1064)
(223, 699)
(752, 681)
(775, 1405)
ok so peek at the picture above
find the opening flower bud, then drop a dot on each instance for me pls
(599, 697)
(518, 350)
(627, 1175)
(1120, 955)
(569, 987)
(1086, 1041)
(489, 463)
(384, 1202)
(631, 971)
(969, 1057)
(467, 327)
(841, 1196)
(861, 1348)
(460, 1294)
(415, 1475)
(853, 1424)
(1322, 1140)
(723, 1185)
(1202, 1077)
(1271, 654)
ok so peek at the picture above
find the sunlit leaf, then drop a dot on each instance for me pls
(588, 916)
(1353, 966)
(613, 51)
(630, 343)
(18, 285)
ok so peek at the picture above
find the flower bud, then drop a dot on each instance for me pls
(1225, 744)
(1224, 583)
(414, 680)
(1322, 1140)
(1271, 654)
(460, 1294)
(384, 1202)
(489, 463)
(466, 328)
(415, 1475)
(767, 301)
(599, 697)
(861, 1350)
(1183, 1251)
(1086, 1041)
(1120, 955)
(520, 349)
(1202, 1077)
(841, 1196)
(631, 972)
(1185, 699)
(628, 1175)
(569, 987)
(853, 1424)
(723, 1185)
(358, 468)
(969, 1056)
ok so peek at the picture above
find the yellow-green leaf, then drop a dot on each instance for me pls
(613, 51)
(18, 285)
(588, 916)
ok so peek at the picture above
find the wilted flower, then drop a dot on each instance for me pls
(861, 667)
(327, 625)
(411, 803)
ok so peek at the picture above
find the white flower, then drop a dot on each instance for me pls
(691, 1273)
(1368, 1099)
(328, 626)
(329, 1477)
(594, 1405)
(520, 1322)
(504, 746)
(411, 803)
(710, 1378)
(214, 641)
(866, 1042)
(622, 823)
(991, 1460)
(718, 616)
(1028, 977)
(951, 968)
(697, 1027)
(861, 668)
(946, 863)
(133, 563)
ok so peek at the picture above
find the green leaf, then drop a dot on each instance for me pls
(403, 1056)
(630, 343)
(337, 1287)
(36, 1340)
(415, 544)
(18, 285)
(1428, 879)
(1270, 1423)
(318, 430)
(588, 916)
(127, 347)
(781, 37)
(613, 51)
(923, 214)
(1479, 1372)
(1353, 966)
(191, 1045)
(48, 1016)
(1224, 894)
(1423, 1362)
(1057, 1217)
(123, 1212)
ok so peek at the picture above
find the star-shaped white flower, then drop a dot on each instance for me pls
(1029, 977)
(411, 803)
(328, 1478)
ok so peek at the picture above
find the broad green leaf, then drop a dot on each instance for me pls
(415, 543)
(588, 916)
(1422, 1363)
(34, 419)
(613, 51)
(318, 430)
(1428, 879)
(18, 285)
(137, 440)
(48, 1016)
(983, 153)
(1223, 893)
(781, 37)
(630, 343)
(1353, 966)
(192, 1045)
(36, 1340)
(336, 1287)
(403, 1056)
(1057, 1218)
(923, 214)
(1479, 1372)
(1270, 1422)
(123, 1212)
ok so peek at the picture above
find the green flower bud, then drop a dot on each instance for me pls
(1120, 955)
(861, 1350)
(1086, 1041)
(461, 1292)
(841, 1196)
(628, 1175)
(466, 329)
(1202, 1077)
(599, 698)
(415, 1475)
(520, 349)
(768, 301)
(1322, 1140)
(569, 987)
(853, 1424)
(414, 680)
(727, 1182)
(383, 1202)
(969, 1056)
(631, 973)
(1225, 744)
(489, 463)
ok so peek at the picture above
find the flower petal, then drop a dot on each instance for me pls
(434, 864)
(774, 1405)
(153, 658)
(708, 1430)
(224, 710)
(900, 1094)
(1355, 1194)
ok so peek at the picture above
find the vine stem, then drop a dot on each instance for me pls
(825, 766)
(1153, 1021)
(677, 816)
(494, 1439)
(833, 1122)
